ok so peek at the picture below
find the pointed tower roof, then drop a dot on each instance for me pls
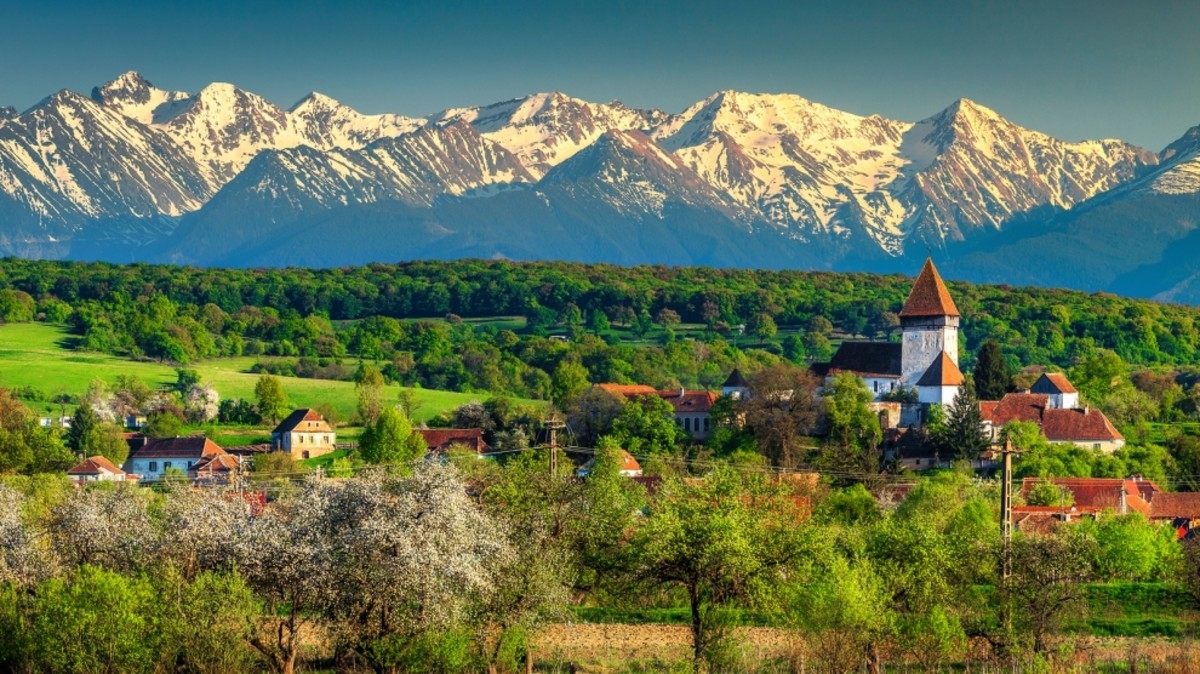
(929, 296)
(942, 372)
(736, 380)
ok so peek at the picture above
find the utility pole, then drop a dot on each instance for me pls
(553, 424)
(1006, 523)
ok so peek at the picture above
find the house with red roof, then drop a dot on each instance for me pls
(1181, 510)
(691, 410)
(629, 466)
(215, 469)
(1095, 494)
(440, 440)
(1084, 427)
(153, 459)
(97, 469)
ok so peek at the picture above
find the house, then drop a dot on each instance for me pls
(156, 456)
(691, 410)
(135, 421)
(1179, 509)
(304, 434)
(97, 469)
(215, 469)
(1084, 427)
(1062, 395)
(1096, 494)
(629, 466)
(440, 440)
(925, 360)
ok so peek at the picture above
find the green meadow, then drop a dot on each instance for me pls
(40, 356)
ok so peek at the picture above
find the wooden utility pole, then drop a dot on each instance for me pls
(553, 424)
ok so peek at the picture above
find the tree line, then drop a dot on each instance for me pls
(170, 309)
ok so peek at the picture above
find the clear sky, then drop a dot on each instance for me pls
(1072, 68)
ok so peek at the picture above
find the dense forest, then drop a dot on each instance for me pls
(184, 313)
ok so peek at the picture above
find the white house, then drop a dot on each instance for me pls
(152, 460)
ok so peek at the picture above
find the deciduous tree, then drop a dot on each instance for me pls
(272, 399)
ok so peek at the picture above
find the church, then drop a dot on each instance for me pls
(926, 359)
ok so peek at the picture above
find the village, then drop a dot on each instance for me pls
(906, 379)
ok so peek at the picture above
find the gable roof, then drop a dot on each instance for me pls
(880, 359)
(1101, 493)
(1172, 505)
(627, 390)
(95, 465)
(1018, 407)
(628, 465)
(689, 402)
(176, 448)
(942, 372)
(929, 296)
(1052, 382)
(1078, 425)
(441, 439)
(736, 380)
(293, 421)
(215, 463)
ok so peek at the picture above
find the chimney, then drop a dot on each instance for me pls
(681, 391)
(1123, 508)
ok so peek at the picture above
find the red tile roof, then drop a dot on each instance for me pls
(1172, 505)
(1019, 407)
(942, 372)
(1075, 425)
(627, 390)
(988, 408)
(688, 402)
(293, 421)
(1104, 493)
(176, 448)
(95, 465)
(628, 463)
(929, 296)
(441, 439)
(215, 463)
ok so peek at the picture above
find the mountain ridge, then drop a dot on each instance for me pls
(778, 174)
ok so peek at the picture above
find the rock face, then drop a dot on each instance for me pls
(775, 179)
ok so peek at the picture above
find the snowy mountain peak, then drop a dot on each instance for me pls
(7, 112)
(136, 98)
(130, 85)
(316, 102)
(545, 129)
(1188, 143)
(328, 123)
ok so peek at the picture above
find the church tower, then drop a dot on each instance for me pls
(929, 321)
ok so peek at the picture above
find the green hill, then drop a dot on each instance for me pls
(39, 356)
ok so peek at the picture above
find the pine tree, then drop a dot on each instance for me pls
(962, 436)
(993, 378)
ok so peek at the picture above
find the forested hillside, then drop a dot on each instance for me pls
(183, 313)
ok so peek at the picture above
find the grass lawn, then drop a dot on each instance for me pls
(39, 355)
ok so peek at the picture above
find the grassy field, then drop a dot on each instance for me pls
(39, 355)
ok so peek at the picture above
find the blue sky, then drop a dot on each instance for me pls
(1070, 68)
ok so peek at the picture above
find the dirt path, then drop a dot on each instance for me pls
(596, 642)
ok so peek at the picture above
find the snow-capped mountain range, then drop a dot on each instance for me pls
(147, 166)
